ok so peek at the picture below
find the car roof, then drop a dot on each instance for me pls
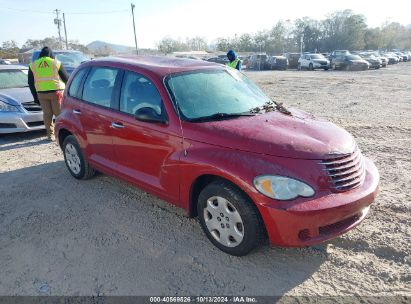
(59, 51)
(160, 65)
(12, 67)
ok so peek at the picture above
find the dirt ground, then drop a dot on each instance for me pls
(60, 236)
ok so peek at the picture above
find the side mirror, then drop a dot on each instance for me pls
(148, 114)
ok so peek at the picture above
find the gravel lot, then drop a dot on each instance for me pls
(60, 236)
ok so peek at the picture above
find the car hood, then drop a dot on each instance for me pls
(300, 135)
(16, 96)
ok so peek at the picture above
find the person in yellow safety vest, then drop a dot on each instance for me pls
(47, 79)
(235, 62)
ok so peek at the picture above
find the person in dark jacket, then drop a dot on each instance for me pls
(235, 62)
(46, 79)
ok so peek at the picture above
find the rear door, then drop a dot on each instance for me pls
(96, 114)
(147, 152)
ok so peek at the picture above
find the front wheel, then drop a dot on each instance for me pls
(74, 159)
(229, 219)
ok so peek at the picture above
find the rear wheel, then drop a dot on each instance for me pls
(74, 159)
(229, 219)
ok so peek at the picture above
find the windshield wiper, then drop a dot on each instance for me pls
(222, 116)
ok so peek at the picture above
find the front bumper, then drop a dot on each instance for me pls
(322, 218)
(318, 65)
(13, 122)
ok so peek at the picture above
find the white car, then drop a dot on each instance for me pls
(312, 62)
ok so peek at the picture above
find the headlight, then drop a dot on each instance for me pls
(281, 187)
(5, 107)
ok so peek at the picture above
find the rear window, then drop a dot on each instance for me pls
(317, 56)
(74, 90)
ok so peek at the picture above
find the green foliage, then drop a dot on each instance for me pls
(9, 49)
(339, 30)
(168, 45)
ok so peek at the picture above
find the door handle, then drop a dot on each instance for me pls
(117, 125)
(76, 111)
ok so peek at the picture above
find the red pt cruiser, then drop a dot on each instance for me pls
(207, 139)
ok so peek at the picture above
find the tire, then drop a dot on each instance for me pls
(325, 69)
(311, 67)
(299, 67)
(74, 159)
(219, 205)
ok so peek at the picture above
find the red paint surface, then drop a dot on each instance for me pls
(151, 156)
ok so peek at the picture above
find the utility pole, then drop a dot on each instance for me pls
(134, 26)
(57, 21)
(65, 30)
(302, 43)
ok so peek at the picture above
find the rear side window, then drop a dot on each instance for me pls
(75, 84)
(139, 92)
(99, 86)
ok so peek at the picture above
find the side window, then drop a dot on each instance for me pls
(139, 92)
(98, 88)
(75, 84)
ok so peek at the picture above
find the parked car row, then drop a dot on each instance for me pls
(4, 61)
(337, 60)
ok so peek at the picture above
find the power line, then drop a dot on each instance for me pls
(26, 11)
(97, 13)
(67, 13)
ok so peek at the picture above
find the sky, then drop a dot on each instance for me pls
(111, 21)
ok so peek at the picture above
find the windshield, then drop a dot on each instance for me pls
(204, 93)
(317, 56)
(13, 79)
(71, 59)
(354, 57)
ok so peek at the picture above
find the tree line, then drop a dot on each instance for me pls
(10, 49)
(339, 30)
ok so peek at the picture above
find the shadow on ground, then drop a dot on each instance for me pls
(104, 237)
(21, 140)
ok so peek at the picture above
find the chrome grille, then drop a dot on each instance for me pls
(31, 106)
(346, 171)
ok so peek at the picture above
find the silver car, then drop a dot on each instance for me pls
(18, 112)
